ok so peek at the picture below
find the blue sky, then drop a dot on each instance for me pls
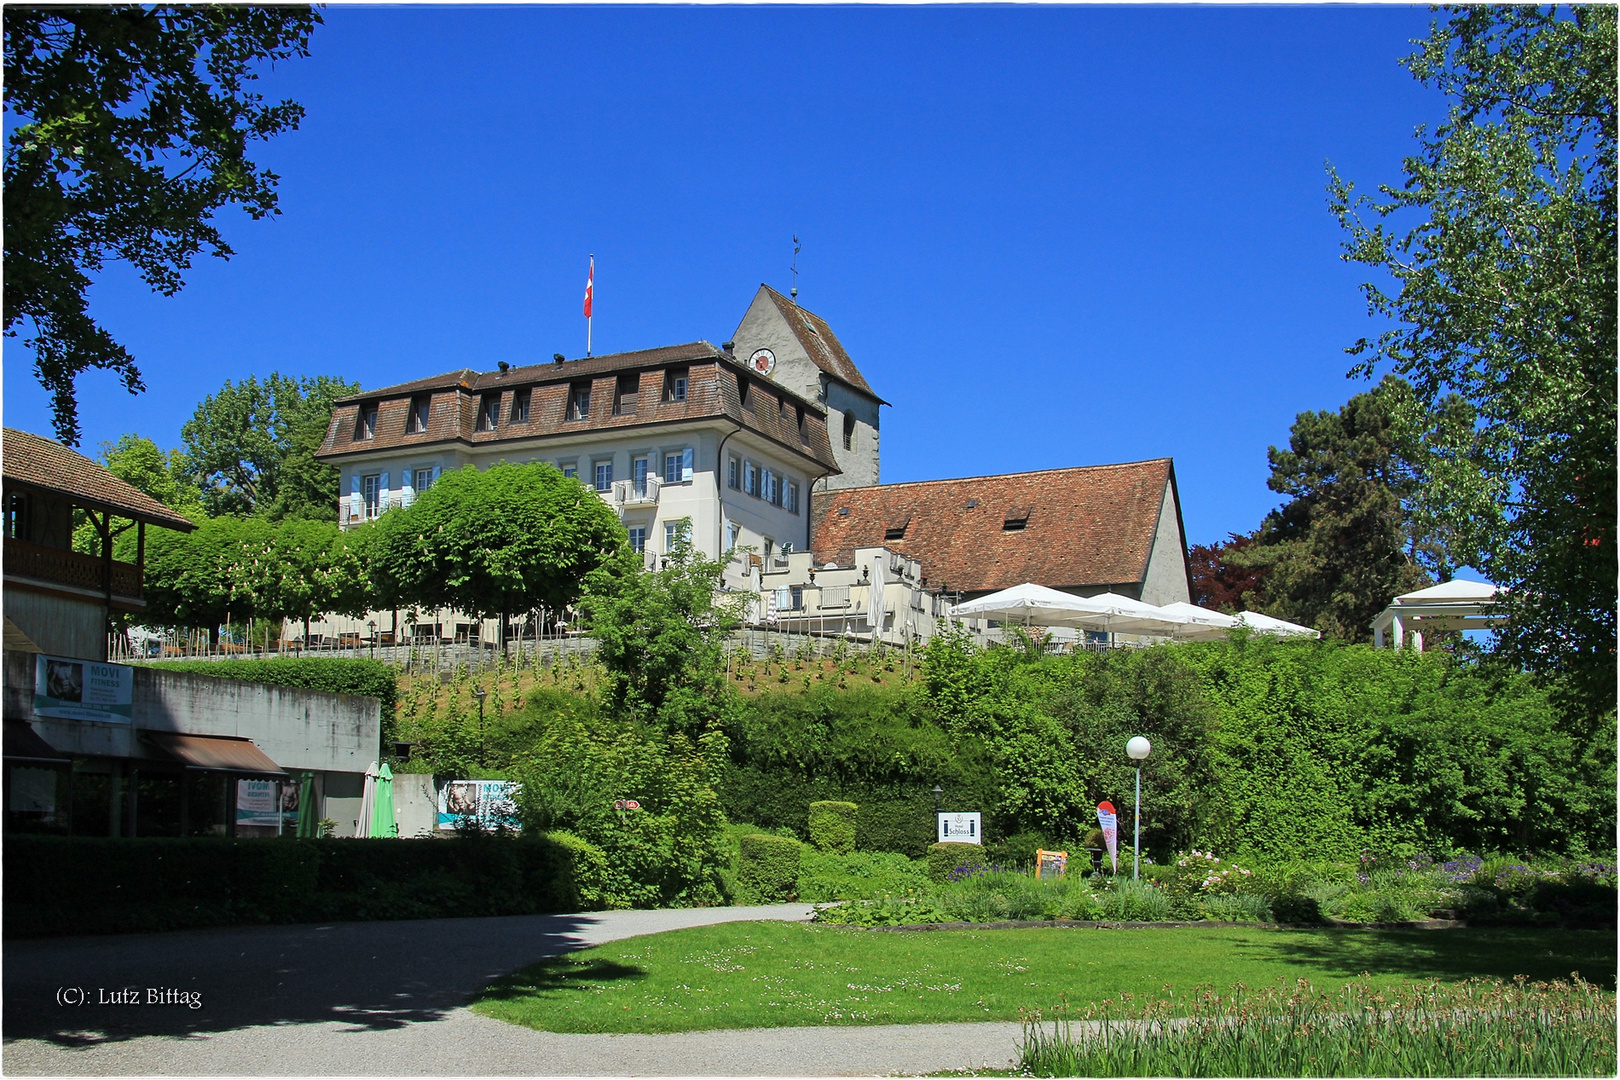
(1049, 236)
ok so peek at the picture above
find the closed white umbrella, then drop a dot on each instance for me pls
(368, 802)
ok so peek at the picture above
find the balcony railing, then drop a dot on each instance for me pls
(62, 567)
(636, 492)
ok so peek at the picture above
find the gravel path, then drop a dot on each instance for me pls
(350, 999)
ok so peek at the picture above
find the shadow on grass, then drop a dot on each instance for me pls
(557, 977)
(1495, 953)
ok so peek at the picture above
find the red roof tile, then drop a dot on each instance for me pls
(42, 463)
(1085, 527)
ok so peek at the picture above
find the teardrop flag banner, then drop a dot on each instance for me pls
(1109, 823)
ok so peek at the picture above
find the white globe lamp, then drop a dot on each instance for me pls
(1137, 750)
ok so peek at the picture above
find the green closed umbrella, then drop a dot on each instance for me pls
(309, 822)
(382, 808)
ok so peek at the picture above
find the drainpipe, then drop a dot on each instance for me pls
(720, 493)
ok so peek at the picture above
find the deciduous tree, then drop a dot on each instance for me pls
(1496, 269)
(129, 129)
(510, 538)
(252, 445)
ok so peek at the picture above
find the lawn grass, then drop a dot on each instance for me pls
(739, 975)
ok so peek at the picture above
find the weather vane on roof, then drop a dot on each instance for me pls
(794, 292)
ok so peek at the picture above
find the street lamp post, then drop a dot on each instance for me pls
(479, 694)
(372, 626)
(1138, 749)
(939, 793)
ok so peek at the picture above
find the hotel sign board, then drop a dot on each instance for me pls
(72, 689)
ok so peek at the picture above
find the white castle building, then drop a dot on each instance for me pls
(768, 443)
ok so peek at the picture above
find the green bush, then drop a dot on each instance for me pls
(861, 875)
(952, 858)
(769, 870)
(88, 885)
(335, 675)
(832, 826)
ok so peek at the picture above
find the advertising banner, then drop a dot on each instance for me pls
(83, 689)
(268, 803)
(960, 829)
(1108, 821)
(485, 801)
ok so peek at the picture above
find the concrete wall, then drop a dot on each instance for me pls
(416, 805)
(58, 625)
(298, 729)
(1166, 578)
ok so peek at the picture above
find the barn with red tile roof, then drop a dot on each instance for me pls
(1087, 530)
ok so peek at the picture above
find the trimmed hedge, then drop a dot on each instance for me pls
(768, 870)
(832, 826)
(335, 675)
(946, 857)
(87, 885)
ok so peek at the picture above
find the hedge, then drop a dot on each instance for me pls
(768, 871)
(832, 826)
(89, 885)
(335, 675)
(946, 857)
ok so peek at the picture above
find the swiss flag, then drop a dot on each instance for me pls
(590, 283)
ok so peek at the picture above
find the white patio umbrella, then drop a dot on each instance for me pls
(1029, 605)
(1036, 605)
(1127, 616)
(1265, 624)
(1203, 624)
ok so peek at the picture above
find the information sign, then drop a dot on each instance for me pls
(71, 689)
(960, 829)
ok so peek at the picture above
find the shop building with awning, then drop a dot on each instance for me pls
(99, 749)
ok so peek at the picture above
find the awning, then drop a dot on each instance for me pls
(22, 743)
(225, 753)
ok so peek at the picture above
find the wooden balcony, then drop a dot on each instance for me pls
(58, 566)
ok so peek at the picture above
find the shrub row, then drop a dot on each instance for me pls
(85, 885)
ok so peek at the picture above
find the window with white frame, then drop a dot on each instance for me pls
(365, 422)
(638, 475)
(790, 497)
(604, 475)
(371, 495)
(732, 532)
(570, 469)
(638, 539)
(734, 473)
(750, 478)
(767, 486)
(768, 546)
(676, 532)
(424, 480)
(672, 467)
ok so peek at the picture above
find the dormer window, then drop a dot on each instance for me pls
(804, 428)
(417, 422)
(489, 412)
(579, 401)
(625, 392)
(896, 529)
(1017, 517)
(520, 407)
(744, 397)
(675, 380)
(365, 423)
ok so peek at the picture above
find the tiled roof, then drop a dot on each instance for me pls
(39, 462)
(820, 342)
(712, 393)
(1083, 527)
